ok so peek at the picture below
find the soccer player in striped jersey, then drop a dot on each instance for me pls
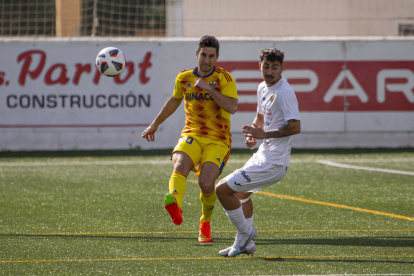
(210, 97)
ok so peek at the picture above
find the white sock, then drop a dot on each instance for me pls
(250, 220)
(237, 218)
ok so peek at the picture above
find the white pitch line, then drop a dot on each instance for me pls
(339, 165)
(383, 160)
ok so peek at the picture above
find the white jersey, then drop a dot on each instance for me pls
(278, 104)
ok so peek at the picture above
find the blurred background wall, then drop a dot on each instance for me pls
(351, 63)
(189, 18)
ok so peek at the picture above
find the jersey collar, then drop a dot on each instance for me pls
(195, 72)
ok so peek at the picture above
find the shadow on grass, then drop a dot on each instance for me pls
(357, 241)
(354, 241)
(358, 258)
(143, 238)
(342, 260)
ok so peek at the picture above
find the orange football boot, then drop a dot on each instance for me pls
(205, 232)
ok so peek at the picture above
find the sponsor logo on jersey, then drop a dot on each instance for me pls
(188, 85)
(218, 160)
(198, 97)
(212, 83)
(238, 184)
(243, 173)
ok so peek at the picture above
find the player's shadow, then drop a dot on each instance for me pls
(368, 242)
(351, 241)
(332, 260)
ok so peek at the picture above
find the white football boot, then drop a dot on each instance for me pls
(241, 243)
(249, 250)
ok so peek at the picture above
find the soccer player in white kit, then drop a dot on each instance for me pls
(277, 119)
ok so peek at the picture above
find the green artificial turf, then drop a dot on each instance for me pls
(103, 214)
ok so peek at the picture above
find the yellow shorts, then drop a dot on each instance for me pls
(202, 150)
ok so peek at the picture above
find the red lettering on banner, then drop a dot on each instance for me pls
(330, 86)
(2, 74)
(144, 66)
(62, 79)
(27, 57)
(57, 73)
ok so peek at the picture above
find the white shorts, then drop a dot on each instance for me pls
(255, 176)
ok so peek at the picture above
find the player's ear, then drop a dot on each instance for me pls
(260, 66)
(218, 56)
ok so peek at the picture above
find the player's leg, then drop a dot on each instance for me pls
(206, 181)
(247, 207)
(253, 177)
(214, 158)
(185, 155)
(208, 198)
(234, 211)
(182, 166)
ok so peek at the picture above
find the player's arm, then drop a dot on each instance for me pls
(227, 103)
(257, 123)
(291, 127)
(258, 120)
(169, 108)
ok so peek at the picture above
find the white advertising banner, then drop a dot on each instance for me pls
(53, 97)
(351, 93)
(57, 86)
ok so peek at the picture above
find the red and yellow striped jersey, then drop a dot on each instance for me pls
(203, 116)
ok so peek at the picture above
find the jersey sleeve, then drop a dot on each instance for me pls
(228, 87)
(289, 105)
(178, 91)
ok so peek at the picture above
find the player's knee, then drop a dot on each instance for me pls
(206, 187)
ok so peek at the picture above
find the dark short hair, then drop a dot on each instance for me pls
(272, 54)
(208, 41)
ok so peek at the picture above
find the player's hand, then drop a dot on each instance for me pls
(149, 133)
(250, 142)
(201, 84)
(254, 131)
